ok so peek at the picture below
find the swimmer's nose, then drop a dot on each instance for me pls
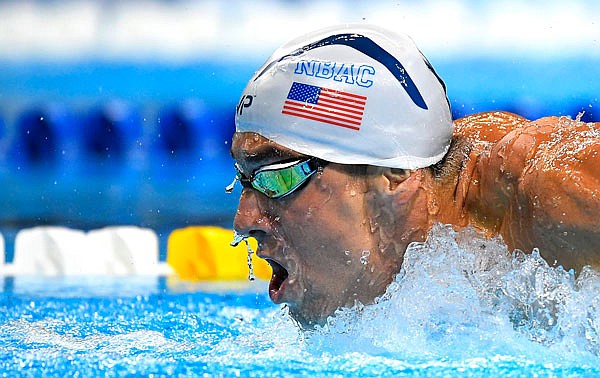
(249, 219)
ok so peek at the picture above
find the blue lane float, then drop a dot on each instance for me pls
(3, 138)
(191, 130)
(43, 138)
(111, 133)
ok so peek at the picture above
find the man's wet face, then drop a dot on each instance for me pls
(314, 238)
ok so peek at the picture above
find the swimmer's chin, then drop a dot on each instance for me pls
(306, 319)
(311, 312)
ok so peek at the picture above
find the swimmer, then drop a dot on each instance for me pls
(347, 153)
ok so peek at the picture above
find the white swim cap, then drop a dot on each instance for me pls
(352, 94)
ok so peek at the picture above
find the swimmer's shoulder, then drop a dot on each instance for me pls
(516, 140)
(555, 164)
(545, 172)
(568, 146)
(548, 143)
(488, 126)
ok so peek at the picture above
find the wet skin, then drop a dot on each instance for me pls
(536, 183)
(314, 238)
(516, 178)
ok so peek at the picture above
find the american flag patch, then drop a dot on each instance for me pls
(325, 105)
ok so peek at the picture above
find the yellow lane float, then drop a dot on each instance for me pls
(204, 253)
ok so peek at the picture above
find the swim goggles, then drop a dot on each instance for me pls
(280, 179)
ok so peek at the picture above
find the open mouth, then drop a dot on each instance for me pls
(277, 283)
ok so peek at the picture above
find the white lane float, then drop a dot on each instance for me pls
(61, 251)
(125, 250)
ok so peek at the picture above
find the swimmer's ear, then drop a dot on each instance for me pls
(395, 177)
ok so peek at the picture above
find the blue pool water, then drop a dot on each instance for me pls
(461, 306)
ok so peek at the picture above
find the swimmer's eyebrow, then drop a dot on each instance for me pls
(266, 154)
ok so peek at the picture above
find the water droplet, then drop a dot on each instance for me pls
(237, 239)
(433, 207)
(364, 258)
(250, 267)
(229, 188)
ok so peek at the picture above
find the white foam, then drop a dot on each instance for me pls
(44, 332)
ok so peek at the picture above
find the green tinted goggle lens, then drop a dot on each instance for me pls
(279, 180)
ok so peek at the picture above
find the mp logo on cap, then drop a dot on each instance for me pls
(245, 102)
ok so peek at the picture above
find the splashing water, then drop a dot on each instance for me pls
(250, 267)
(461, 306)
(460, 295)
(237, 239)
(465, 301)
